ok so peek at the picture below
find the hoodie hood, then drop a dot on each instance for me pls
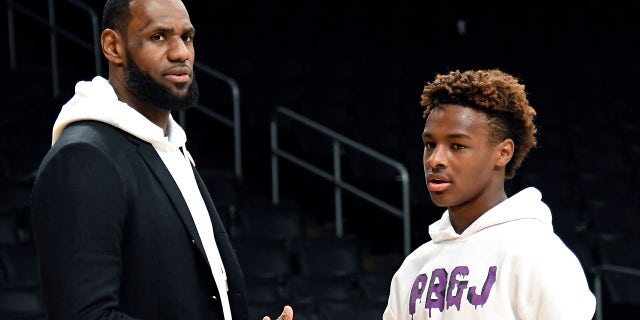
(526, 204)
(96, 100)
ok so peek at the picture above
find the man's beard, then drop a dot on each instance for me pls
(148, 89)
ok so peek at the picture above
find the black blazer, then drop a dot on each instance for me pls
(115, 238)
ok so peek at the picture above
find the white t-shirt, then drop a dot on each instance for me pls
(179, 166)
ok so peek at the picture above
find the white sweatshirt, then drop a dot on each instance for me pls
(96, 100)
(508, 264)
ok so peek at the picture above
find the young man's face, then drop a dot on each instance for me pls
(160, 54)
(459, 158)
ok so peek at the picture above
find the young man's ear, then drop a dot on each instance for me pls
(505, 151)
(112, 46)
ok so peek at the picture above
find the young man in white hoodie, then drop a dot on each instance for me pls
(490, 256)
(123, 223)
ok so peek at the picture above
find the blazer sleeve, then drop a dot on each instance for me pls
(79, 207)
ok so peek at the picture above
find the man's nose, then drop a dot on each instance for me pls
(437, 158)
(179, 51)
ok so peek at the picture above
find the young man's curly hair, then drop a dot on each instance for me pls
(496, 93)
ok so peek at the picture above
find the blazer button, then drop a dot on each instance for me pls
(193, 241)
(215, 298)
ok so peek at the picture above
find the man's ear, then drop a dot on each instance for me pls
(504, 151)
(113, 46)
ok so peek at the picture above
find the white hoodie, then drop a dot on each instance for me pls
(508, 264)
(96, 100)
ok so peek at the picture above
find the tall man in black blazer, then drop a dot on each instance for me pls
(124, 225)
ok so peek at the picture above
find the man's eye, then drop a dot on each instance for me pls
(157, 37)
(429, 145)
(187, 38)
(458, 147)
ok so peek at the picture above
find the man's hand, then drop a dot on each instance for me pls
(287, 314)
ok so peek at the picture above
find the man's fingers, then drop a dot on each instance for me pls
(287, 314)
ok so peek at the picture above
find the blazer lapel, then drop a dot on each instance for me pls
(151, 157)
(222, 239)
(235, 278)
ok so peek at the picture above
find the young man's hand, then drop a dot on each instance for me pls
(287, 314)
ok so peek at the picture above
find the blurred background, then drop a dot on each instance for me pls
(308, 133)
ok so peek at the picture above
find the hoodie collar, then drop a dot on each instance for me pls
(96, 100)
(526, 204)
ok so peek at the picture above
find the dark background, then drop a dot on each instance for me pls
(358, 67)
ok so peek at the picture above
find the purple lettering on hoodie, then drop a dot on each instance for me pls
(481, 299)
(416, 291)
(455, 298)
(437, 289)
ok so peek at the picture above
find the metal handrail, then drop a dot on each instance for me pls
(336, 177)
(233, 123)
(95, 25)
(55, 29)
(597, 281)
